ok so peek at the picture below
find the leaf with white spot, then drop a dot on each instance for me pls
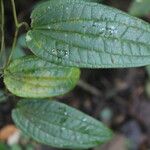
(89, 35)
(59, 125)
(35, 78)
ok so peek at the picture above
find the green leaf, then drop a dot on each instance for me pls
(15, 147)
(19, 52)
(59, 125)
(21, 42)
(76, 0)
(140, 7)
(92, 0)
(3, 97)
(39, 3)
(88, 35)
(35, 78)
(3, 146)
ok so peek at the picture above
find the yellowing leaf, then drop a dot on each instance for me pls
(35, 78)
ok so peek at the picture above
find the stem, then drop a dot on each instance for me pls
(2, 27)
(89, 88)
(15, 14)
(16, 32)
(17, 26)
(13, 45)
(1, 70)
(24, 24)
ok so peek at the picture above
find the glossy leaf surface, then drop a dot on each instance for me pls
(59, 125)
(88, 35)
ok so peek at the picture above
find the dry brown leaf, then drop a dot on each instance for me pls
(7, 131)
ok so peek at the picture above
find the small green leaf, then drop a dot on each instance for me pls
(140, 7)
(18, 51)
(88, 35)
(3, 146)
(16, 147)
(21, 43)
(35, 78)
(3, 97)
(59, 125)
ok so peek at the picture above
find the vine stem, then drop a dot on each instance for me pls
(2, 27)
(17, 26)
(89, 88)
(16, 31)
(14, 13)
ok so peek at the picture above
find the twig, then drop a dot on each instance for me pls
(2, 27)
(17, 26)
(16, 32)
(89, 88)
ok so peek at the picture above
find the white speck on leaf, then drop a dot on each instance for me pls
(63, 128)
(28, 38)
(66, 113)
(49, 27)
(84, 119)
